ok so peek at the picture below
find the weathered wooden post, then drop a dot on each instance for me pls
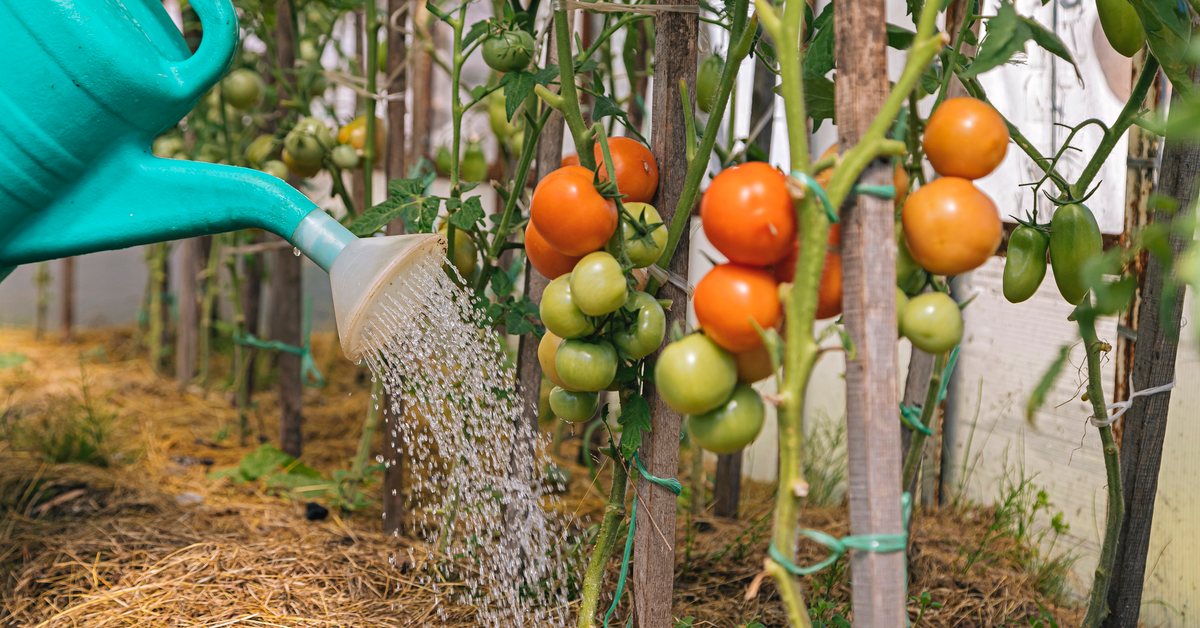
(286, 289)
(395, 165)
(676, 33)
(868, 254)
(1145, 424)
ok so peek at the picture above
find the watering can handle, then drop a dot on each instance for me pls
(204, 68)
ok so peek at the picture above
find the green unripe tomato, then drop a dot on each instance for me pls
(586, 365)
(166, 145)
(318, 85)
(1074, 239)
(643, 250)
(276, 168)
(597, 284)
(243, 88)
(465, 251)
(474, 163)
(645, 334)
(1122, 26)
(317, 129)
(933, 322)
(345, 156)
(304, 150)
(732, 425)
(708, 82)
(545, 414)
(264, 148)
(574, 406)
(309, 51)
(901, 303)
(498, 117)
(695, 375)
(1025, 265)
(442, 161)
(508, 51)
(559, 312)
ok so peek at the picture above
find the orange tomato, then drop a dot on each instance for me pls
(829, 295)
(899, 178)
(570, 160)
(570, 214)
(753, 365)
(950, 226)
(729, 297)
(785, 269)
(965, 138)
(637, 172)
(748, 214)
(545, 259)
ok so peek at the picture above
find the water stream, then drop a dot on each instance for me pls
(474, 468)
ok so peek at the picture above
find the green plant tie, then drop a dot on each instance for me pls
(886, 192)
(911, 416)
(838, 547)
(671, 484)
(308, 368)
(950, 362)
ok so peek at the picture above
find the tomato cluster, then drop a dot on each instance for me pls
(595, 320)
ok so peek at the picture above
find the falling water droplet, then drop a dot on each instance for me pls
(296, 251)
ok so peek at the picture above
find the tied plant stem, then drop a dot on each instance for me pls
(927, 411)
(371, 36)
(569, 94)
(606, 541)
(1098, 600)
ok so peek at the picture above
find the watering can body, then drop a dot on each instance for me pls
(87, 87)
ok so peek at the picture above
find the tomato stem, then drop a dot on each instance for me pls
(1098, 600)
(951, 63)
(927, 412)
(614, 513)
(689, 124)
(570, 94)
(1129, 113)
(370, 39)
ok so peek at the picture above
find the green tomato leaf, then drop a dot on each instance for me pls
(426, 214)
(406, 187)
(478, 92)
(545, 75)
(516, 324)
(516, 90)
(470, 214)
(501, 284)
(605, 107)
(819, 100)
(899, 37)
(1038, 398)
(11, 359)
(634, 419)
(375, 218)
(1051, 43)
(1006, 36)
(587, 66)
(1168, 31)
(819, 58)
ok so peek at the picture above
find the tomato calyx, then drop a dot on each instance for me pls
(1030, 221)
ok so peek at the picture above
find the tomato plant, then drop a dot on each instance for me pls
(597, 284)
(644, 334)
(933, 322)
(645, 240)
(1074, 239)
(950, 226)
(707, 79)
(508, 50)
(559, 312)
(748, 214)
(547, 354)
(584, 365)
(1121, 26)
(574, 406)
(754, 365)
(1025, 265)
(731, 299)
(731, 426)
(545, 258)
(242, 88)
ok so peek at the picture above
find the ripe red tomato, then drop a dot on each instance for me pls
(570, 214)
(729, 297)
(748, 214)
(637, 172)
(549, 262)
(965, 138)
(950, 226)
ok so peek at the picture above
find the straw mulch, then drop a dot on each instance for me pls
(151, 541)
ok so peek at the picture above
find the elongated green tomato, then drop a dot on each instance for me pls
(465, 251)
(1025, 266)
(695, 375)
(585, 365)
(1121, 25)
(574, 406)
(443, 160)
(1074, 238)
(646, 332)
(474, 163)
(732, 425)
(643, 250)
(708, 81)
(932, 322)
(559, 312)
(597, 284)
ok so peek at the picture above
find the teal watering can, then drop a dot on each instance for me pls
(87, 86)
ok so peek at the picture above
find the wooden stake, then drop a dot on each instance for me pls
(66, 300)
(654, 542)
(868, 254)
(395, 166)
(286, 287)
(1154, 354)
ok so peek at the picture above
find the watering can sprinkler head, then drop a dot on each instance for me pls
(366, 274)
(96, 82)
